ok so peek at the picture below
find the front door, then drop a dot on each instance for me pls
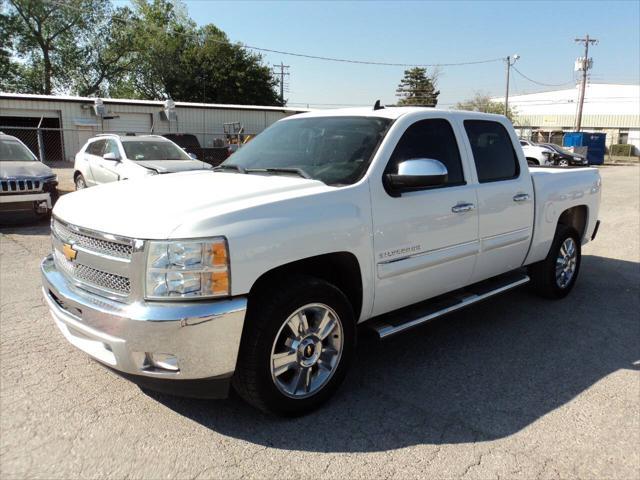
(108, 170)
(425, 242)
(505, 199)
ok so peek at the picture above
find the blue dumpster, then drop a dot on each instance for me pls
(595, 143)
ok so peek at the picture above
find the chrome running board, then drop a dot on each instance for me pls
(421, 313)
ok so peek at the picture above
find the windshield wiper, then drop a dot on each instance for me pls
(222, 167)
(298, 171)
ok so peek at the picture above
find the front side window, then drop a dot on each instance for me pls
(143, 150)
(111, 147)
(14, 151)
(434, 139)
(334, 150)
(493, 152)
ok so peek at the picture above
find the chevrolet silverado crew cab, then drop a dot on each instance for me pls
(26, 184)
(257, 273)
(109, 158)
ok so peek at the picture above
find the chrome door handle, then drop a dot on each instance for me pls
(463, 207)
(521, 197)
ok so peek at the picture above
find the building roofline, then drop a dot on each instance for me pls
(150, 103)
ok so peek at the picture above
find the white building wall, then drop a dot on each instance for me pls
(79, 122)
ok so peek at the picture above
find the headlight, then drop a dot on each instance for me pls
(188, 269)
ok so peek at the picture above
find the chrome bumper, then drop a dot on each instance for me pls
(204, 337)
(27, 197)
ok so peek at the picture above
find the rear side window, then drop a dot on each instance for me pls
(493, 151)
(95, 148)
(433, 138)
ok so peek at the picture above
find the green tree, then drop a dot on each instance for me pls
(417, 87)
(176, 59)
(48, 39)
(482, 102)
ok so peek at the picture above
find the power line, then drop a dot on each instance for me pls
(540, 83)
(304, 55)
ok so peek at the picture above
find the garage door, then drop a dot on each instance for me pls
(129, 122)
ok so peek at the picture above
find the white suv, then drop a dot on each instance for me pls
(109, 158)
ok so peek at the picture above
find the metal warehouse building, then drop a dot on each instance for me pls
(608, 108)
(55, 127)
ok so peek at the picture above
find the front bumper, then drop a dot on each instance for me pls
(202, 337)
(29, 199)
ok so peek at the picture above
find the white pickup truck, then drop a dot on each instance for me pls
(256, 274)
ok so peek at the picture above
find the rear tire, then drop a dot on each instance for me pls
(287, 373)
(556, 275)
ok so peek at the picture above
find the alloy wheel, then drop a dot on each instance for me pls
(306, 351)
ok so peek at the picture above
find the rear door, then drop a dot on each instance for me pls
(505, 198)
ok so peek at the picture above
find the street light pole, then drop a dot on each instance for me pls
(506, 96)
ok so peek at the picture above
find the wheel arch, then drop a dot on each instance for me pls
(341, 269)
(576, 217)
(533, 160)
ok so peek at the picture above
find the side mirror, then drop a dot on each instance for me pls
(111, 156)
(193, 156)
(416, 174)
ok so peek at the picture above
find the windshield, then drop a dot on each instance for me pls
(14, 151)
(334, 150)
(142, 150)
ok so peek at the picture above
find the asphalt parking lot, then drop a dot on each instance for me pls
(518, 387)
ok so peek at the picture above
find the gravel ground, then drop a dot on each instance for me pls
(518, 387)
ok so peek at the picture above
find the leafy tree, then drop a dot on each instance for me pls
(417, 87)
(47, 39)
(177, 60)
(482, 102)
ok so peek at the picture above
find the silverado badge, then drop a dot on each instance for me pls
(69, 252)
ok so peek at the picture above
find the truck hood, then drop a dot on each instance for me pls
(171, 166)
(153, 207)
(24, 169)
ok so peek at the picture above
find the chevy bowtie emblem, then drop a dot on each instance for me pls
(69, 252)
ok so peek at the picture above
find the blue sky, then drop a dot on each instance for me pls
(542, 33)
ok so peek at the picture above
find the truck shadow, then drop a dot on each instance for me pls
(477, 375)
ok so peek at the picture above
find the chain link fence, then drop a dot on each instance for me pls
(55, 145)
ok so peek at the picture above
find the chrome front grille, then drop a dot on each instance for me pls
(91, 243)
(98, 262)
(21, 185)
(92, 277)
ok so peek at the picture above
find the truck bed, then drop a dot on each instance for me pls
(556, 190)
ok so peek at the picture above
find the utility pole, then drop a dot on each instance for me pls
(282, 73)
(510, 61)
(583, 64)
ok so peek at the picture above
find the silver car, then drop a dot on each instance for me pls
(110, 158)
(26, 184)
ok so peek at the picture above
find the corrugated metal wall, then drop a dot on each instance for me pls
(588, 121)
(79, 122)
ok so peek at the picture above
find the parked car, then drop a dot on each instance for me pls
(26, 184)
(536, 155)
(109, 158)
(214, 156)
(564, 158)
(257, 273)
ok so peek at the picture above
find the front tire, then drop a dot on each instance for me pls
(296, 347)
(555, 276)
(80, 182)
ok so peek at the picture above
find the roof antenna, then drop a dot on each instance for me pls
(377, 105)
